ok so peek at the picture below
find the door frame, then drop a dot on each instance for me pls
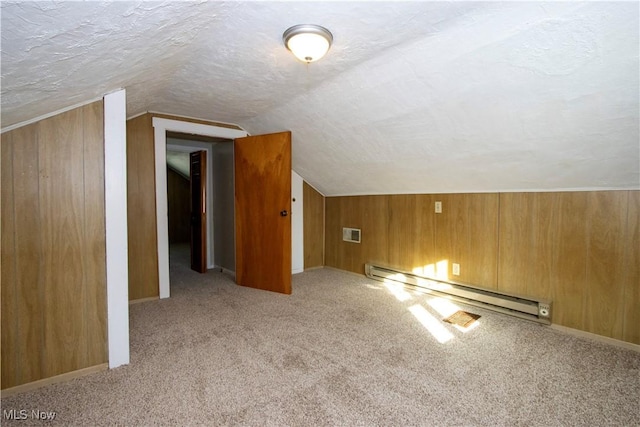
(160, 128)
(190, 147)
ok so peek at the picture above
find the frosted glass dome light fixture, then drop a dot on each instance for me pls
(308, 42)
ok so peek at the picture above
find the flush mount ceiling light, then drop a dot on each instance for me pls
(308, 42)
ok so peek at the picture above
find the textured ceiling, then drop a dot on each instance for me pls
(413, 97)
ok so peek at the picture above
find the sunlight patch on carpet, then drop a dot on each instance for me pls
(431, 324)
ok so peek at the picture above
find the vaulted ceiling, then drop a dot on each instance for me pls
(413, 97)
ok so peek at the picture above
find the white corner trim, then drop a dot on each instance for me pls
(297, 223)
(161, 126)
(115, 195)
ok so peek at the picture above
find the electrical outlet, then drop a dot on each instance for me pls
(438, 207)
(456, 269)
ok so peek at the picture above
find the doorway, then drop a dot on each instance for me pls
(161, 128)
(219, 199)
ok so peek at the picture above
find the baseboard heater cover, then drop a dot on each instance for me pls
(537, 310)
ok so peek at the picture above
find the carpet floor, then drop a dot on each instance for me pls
(342, 350)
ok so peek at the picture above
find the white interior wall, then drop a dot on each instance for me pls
(297, 224)
(224, 207)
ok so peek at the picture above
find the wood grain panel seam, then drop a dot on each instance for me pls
(41, 288)
(498, 245)
(625, 265)
(324, 229)
(587, 255)
(83, 242)
(15, 265)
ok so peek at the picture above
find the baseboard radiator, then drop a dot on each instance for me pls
(537, 310)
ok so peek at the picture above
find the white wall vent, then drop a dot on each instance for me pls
(351, 234)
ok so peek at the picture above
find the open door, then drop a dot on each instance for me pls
(198, 173)
(262, 208)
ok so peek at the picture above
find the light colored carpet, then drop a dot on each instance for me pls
(341, 350)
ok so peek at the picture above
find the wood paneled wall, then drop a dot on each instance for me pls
(178, 196)
(141, 209)
(313, 213)
(403, 231)
(141, 203)
(53, 247)
(579, 249)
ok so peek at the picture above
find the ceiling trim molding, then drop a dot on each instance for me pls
(54, 113)
(498, 191)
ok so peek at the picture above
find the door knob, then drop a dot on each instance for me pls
(284, 213)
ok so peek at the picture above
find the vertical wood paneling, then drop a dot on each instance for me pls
(370, 215)
(607, 219)
(313, 212)
(561, 259)
(53, 240)
(515, 242)
(28, 252)
(333, 232)
(631, 321)
(10, 311)
(481, 258)
(452, 238)
(350, 255)
(61, 218)
(579, 249)
(141, 209)
(94, 261)
(411, 233)
(426, 254)
(402, 229)
(542, 260)
(374, 224)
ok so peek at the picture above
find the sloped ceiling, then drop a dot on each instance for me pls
(413, 97)
(179, 161)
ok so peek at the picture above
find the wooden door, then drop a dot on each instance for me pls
(198, 176)
(262, 211)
